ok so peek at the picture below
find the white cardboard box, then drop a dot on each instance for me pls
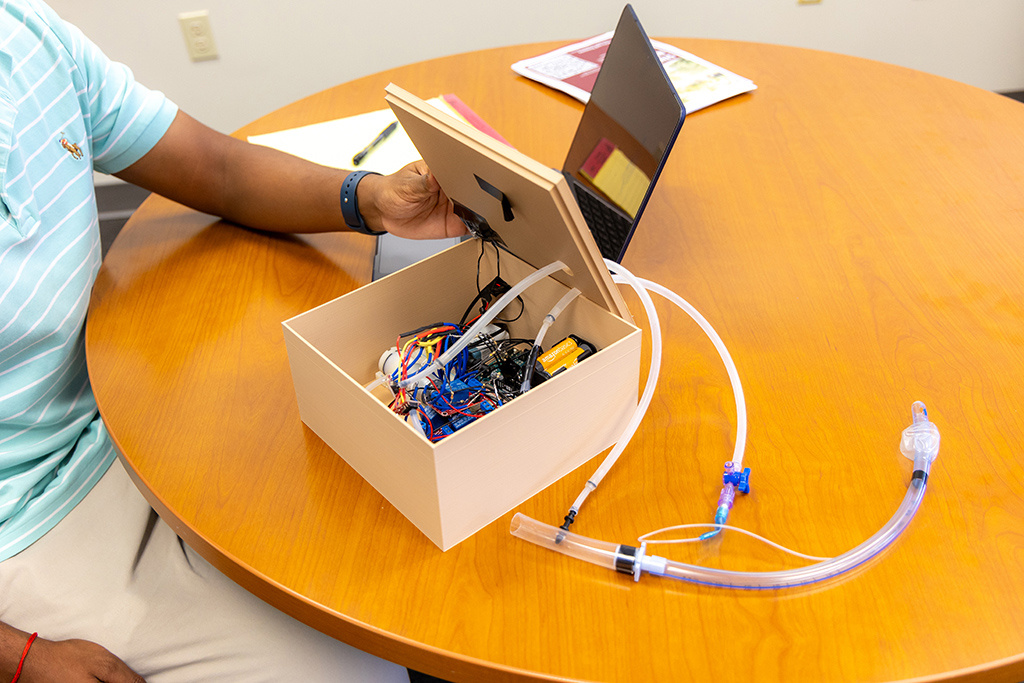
(452, 488)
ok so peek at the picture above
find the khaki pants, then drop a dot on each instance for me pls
(114, 573)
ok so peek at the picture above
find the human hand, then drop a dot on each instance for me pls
(409, 203)
(74, 661)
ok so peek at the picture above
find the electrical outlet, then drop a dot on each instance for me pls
(198, 37)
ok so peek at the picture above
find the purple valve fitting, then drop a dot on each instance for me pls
(733, 481)
(725, 500)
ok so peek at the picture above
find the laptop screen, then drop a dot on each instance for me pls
(626, 132)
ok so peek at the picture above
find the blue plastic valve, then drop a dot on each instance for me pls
(741, 480)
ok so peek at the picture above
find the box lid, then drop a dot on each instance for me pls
(528, 206)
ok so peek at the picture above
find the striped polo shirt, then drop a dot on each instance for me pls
(65, 109)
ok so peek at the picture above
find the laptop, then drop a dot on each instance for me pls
(620, 146)
(624, 137)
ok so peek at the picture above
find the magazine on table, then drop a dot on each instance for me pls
(573, 70)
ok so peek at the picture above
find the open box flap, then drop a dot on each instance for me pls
(528, 206)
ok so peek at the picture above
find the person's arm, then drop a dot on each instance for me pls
(59, 661)
(266, 189)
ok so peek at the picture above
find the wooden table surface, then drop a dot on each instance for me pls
(855, 232)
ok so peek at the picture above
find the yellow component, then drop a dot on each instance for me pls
(565, 354)
(566, 361)
(557, 351)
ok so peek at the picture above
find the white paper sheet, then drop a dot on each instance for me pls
(334, 143)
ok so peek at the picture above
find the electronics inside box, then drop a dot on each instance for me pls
(493, 367)
(439, 388)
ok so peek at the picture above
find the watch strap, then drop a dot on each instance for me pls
(350, 206)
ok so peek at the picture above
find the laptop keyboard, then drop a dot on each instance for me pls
(610, 228)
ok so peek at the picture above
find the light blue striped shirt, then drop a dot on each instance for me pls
(64, 109)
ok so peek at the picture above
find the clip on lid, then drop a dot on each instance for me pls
(504, 195)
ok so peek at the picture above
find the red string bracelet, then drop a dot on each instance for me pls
(24, 653)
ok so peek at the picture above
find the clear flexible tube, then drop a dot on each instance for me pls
(601, 553)
(642, 287)
(553, 314)
(648, 538)
(482, 322)
(730, 366)
(624, 276)
(812, 573)
(549, 320)
(921, 440)
(727, 496)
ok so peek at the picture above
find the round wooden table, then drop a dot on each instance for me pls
(855, 232)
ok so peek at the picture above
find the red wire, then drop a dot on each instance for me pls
(423, 418)
(454, 409)
(401, 402)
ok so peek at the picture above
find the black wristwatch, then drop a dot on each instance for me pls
(350, 207)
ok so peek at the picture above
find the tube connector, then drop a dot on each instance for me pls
(733, 480)
(569, 519)
(722, 514)
(725, 501)
(921, 438)
(564, 529)
(740, 479)
(920, 441)
(528, 367)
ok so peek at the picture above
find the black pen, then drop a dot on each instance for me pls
(376, 141)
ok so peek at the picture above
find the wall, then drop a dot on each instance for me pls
(272, 53)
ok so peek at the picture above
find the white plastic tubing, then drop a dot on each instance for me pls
(482, 322)
(645, 398)
(642, 289)
(553, 314)
(920, 443)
